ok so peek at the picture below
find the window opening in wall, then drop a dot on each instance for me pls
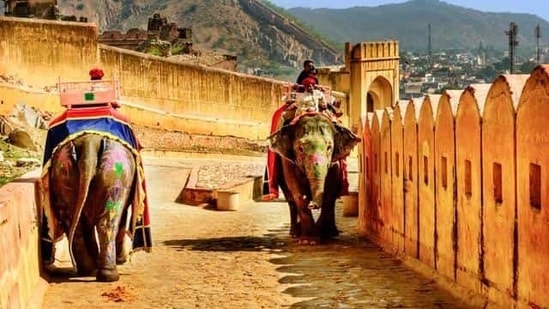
(397, 164)
(468, 184)
(498, 183)
(369, 103)
(535, 186)
(426, 170)
(386, 163)
(444, 172)
(410, 169)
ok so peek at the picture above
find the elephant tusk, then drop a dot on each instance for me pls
(313, 206)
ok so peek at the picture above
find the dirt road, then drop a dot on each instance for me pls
(245, 259)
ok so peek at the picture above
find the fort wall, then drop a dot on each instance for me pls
(156, 92)
(21, 285)
(473, 206)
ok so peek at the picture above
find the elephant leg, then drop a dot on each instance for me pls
(47, 248)
(295, 229)
(84, 249)
(107, 231)
(121, 253)
(326, 223)
(309, 235)
(114, 180)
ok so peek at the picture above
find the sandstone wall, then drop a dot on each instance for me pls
(201, 99)
(156, 92)
(20, 283)
(474, 210)
(41, 51)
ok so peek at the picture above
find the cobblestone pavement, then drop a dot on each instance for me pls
(245, 259)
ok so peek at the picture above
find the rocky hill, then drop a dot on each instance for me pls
(260, 38)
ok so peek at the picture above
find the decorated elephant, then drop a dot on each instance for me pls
(93, 191)
(313, 148)
(91, 182)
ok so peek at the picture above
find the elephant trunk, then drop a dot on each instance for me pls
(317, 192)
(87, 153)
(316, 167)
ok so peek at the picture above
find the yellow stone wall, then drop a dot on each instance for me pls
(474, 150)
(40, 51)
(20, 283)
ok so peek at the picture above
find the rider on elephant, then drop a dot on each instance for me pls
(312, 99)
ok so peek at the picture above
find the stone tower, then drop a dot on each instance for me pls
(374, 77)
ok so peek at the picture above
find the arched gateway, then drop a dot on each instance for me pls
(374, 76)
(370, 77)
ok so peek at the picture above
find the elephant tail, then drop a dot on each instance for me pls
(87, 151)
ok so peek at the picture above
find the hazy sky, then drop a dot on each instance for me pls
(537, 7)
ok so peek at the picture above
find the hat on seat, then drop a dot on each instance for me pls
(96, 74)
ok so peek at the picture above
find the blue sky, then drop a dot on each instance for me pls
(537, 7)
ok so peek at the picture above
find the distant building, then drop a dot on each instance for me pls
(46, 9)
(169, 41)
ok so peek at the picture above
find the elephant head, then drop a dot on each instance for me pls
(313, 143)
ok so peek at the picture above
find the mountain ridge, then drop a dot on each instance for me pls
(452, 26)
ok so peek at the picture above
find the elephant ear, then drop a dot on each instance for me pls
(344, 141)
(281, 142)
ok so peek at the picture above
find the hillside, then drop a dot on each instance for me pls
(276, 41)
(451, 26)
(236, 27)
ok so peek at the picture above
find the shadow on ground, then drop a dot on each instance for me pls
(267, 242)
(352, 272)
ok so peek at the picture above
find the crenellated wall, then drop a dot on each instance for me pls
(459, 183)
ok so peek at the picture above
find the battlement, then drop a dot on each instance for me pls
(388, 49)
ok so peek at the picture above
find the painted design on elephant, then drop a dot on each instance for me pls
(106, 227)
(116, 161)
(65, 160)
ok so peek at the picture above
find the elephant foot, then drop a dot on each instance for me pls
(85, 271)
(329, 233)
(308, 241)
(295, 232)
(107, 275)
(58, 272)
(121, 260)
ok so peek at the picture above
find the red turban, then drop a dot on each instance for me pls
(309, 81)
(96, 74)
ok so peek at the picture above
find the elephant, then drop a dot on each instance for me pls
(91, 181)
(313, 147)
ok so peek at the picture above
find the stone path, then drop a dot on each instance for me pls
(245, 259)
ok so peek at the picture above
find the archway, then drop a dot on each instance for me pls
(380, 94)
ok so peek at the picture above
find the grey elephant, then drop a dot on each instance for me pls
(91, 184)
(313, 148)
